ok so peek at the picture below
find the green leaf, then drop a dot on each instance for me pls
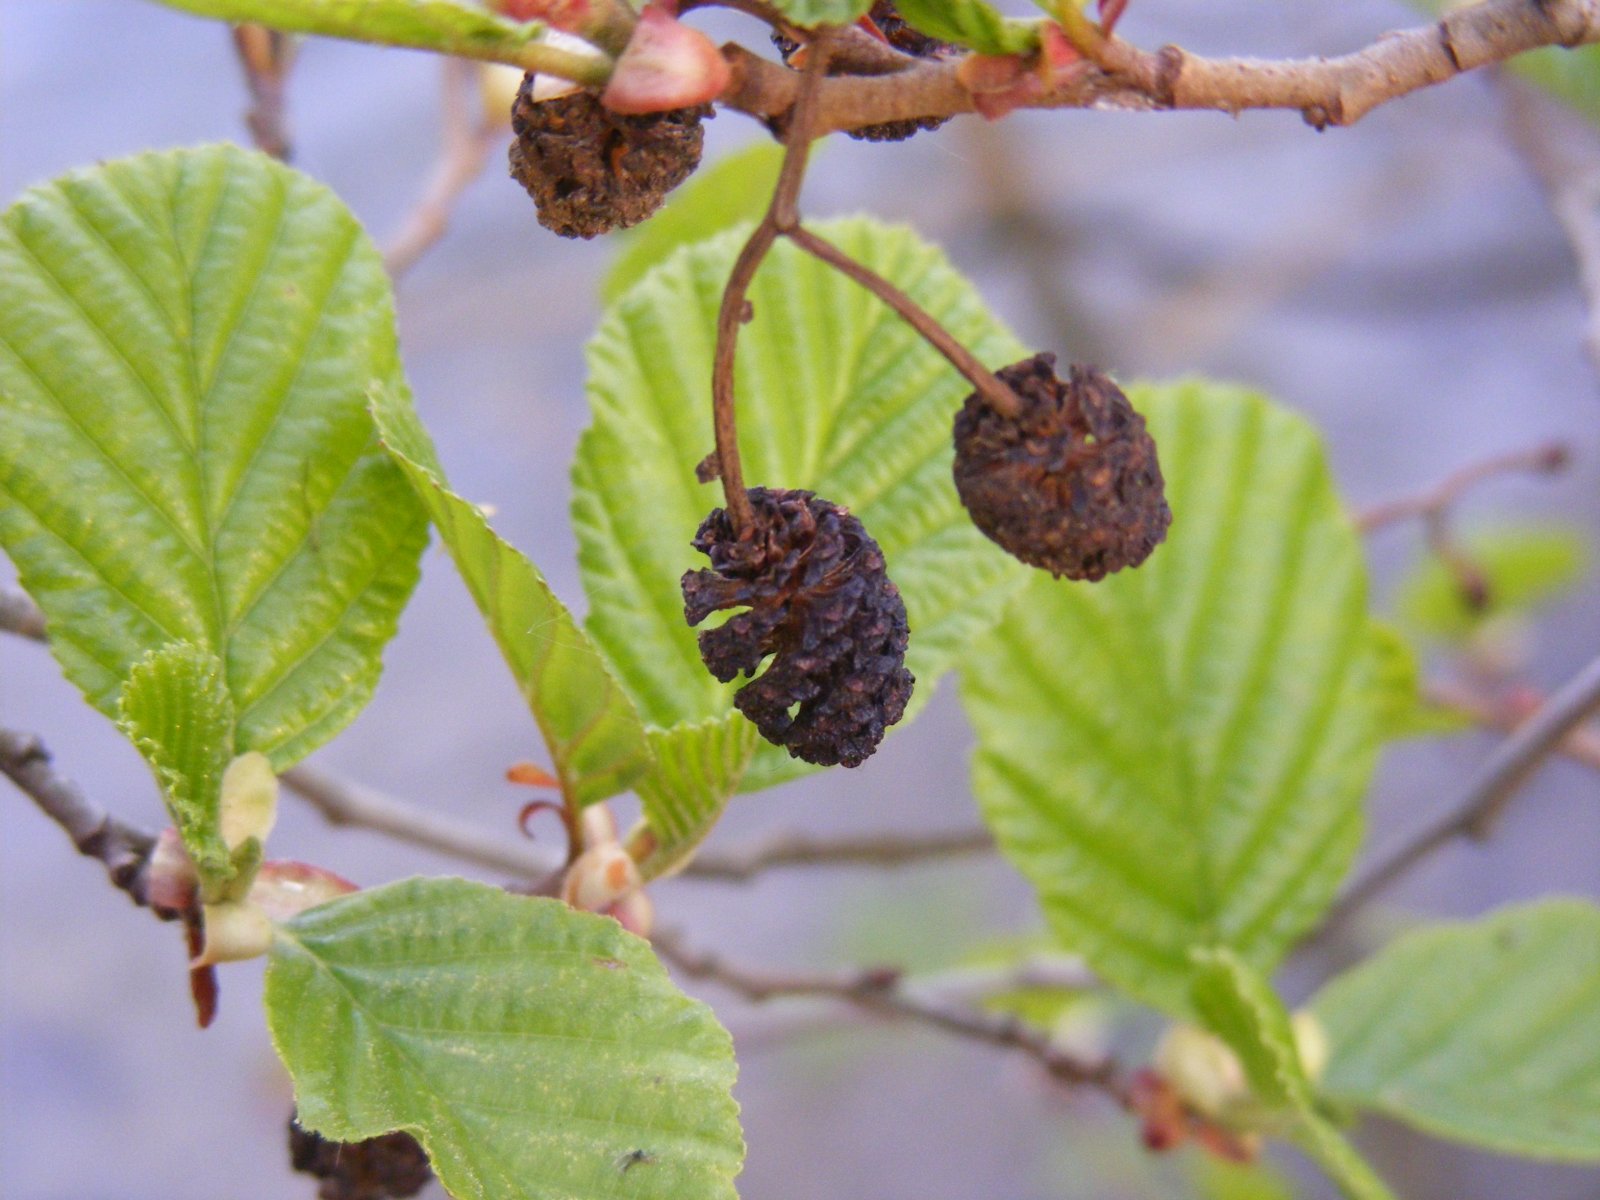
(836, 394)
(1403, 709)
(1240, 1007)
(697, 769)
(732, 191)
(808, 14)
(1176, 756)
(1569, 74)
(176, 710)
(1486, 1032)
(443, 26)
(591, 727)
(1218, 1179)
(186, 341)
(971, 23)
(1522, 565)
(536, 1052)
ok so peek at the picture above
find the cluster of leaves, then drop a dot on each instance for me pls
(215, 483)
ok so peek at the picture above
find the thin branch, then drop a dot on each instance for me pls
(871, 850)
(20, 615)
(1326, 91)
(1000, 397)
(735, 310)
(1507, 769)
(1581, 745)
(1546, 458)
(342, 802)
(886, 993)
(123, 849)
(470, 136)
(266, 56)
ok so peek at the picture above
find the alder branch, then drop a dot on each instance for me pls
(20, 615)
(266, 56)
(342, 802)
(868, 850)
(886, 992)
(122, 849)
(1581, 745)
(470, 136)
(1547, 458)
(1510, 766)
(1326, 91)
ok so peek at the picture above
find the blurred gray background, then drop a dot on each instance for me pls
(1402, 283)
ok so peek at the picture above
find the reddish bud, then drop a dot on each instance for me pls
(171, 884)
(531, 775)
(563, 14)
(283, 889)
(666, 65)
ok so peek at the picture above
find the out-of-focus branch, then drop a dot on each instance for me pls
(471, 134)
(342, 802)
(1507, 769)
(885, 992)
(1581, 745)
(868, 850)
(1545, 458)
(1564, 153)
(266, 56)
(121, 848)
(20, 615)
(1326, 91)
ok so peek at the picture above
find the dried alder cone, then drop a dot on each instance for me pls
(903, 38)
(817, 598)
(379, 1168)
(1072, 483)
(591, 170)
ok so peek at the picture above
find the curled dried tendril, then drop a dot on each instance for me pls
(817, 599)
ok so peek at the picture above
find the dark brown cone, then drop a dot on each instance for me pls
(591, 170)
(1071, 485)
(817, 598)
(380, 1168)
(904, 39)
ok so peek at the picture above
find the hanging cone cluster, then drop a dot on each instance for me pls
(591, 170)
(390, 1167)
(904, 39)
(1071, 484)
(818, 600)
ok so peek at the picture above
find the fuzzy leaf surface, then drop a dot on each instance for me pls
(1176, 756)
(971, 23)
(176, 710)
(186, 341)
(836, 395)
(536, 1052)
(1485, 1032)
(697, 769)
(590, 725)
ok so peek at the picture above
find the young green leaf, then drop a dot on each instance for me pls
(186, 340)
(176, 710)
(732, 191)
(1486, 1032)
(1175, 756)
(1404, 710)
(808, 14)
(835, 394)
(1522, 566)
(536, 1052)
(591, 727)
(697, 769)
(971, 23)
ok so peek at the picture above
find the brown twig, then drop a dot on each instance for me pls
(801, 850)
(781, 213)
(20, 615)
(1507, 769)
(1001, 398)
(1581, 745)
(1326, 91)
(122, 849)
(885, 992)
(470, 136)
(342, 802)
(1545, 458)
(266, 56)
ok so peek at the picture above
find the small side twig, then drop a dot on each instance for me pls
(123, 849)
(801, 850)
(1544, 459)
(1507, 769)
(266, 56)
(342, 802)
(20, 615)
(883, 991)
(1581, 745)
(470, 136)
